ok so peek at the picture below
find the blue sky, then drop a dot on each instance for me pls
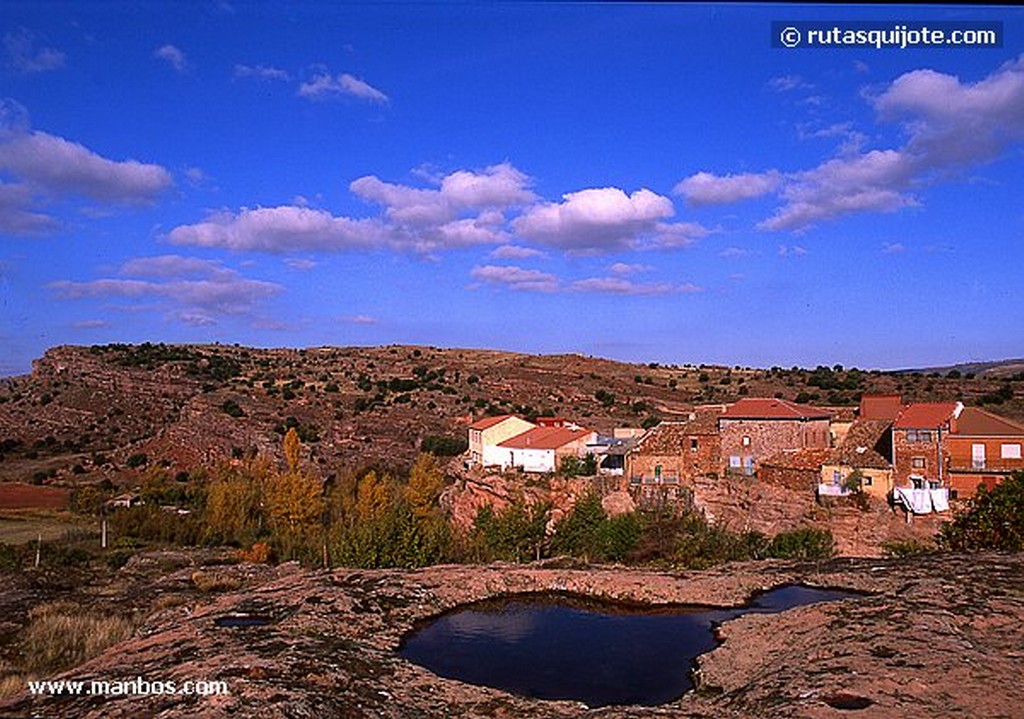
(642, 182)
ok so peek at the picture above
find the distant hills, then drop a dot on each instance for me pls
(112, 411)
(997, 368)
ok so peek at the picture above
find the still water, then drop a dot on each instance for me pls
(564, 647)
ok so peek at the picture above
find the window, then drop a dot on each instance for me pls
(1010, 451)
(693, 444)
(911, 435)
(746, 441)
(837, 477)
(917, 463)
(924, 435)
(734, 461)
(866, 481)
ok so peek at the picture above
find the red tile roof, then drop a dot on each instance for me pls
(880, 406)
(977, 422)
(764, 408)
(545, 438)
(925, 415)
(488, 422)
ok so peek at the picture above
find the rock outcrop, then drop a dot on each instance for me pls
(937, 636)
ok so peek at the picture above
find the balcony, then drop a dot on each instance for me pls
(833, 490)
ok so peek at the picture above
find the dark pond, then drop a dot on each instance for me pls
(565, 647)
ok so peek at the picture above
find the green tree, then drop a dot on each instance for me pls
(993, 519)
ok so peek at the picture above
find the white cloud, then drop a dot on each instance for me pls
(514, 252)
(791, 251)
(90, 324)
(892, 248)
(785, 83)
(950, 125)
(595, 220)
(495, 188)
(622, 286)
(624, 268)
(516, 278)
(192, 290)
(173, 57)
(261, 72)
(16, 215)
(55, 165)
(870, 182)
(24, 57)
(281, 229)
(360, 320)
(733, 253)
(704, 188)
(325, 85)
(297, 263)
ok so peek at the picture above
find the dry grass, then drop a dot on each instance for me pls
(168, 601)
(215, 582)
(63, 634)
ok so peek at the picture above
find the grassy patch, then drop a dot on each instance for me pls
(63, 634)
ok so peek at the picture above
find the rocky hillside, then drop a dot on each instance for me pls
(86, 412)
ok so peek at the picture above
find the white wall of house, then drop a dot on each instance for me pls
(532, 460)
(482, 442)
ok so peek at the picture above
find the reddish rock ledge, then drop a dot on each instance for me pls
(938, 636)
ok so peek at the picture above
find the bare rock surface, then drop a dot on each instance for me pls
(936, 636)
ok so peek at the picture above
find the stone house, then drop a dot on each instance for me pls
(487, 433)
(673, 454)
(753, 429)
(867, 449)
(796, 469)
(983, 449)
(920, 444)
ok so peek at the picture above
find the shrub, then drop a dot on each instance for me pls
(994, 519)
(137, 460)
(444, 445)
(906, 548)
(231, 407)
(805, 543)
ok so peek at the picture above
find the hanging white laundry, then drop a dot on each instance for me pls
(940, 499)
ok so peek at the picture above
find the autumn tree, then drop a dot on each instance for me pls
(295, 503)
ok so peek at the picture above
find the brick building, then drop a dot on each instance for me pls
(983, 449)
(920, 439)
(752, 429)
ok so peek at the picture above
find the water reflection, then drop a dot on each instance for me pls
(558, 647)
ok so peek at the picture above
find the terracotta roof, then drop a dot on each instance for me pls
(858, 448)
(488, 422)
(880, 406)
(925, 415)
(765, 408)
(842, 414)
(808, 458)
(977, 422)
(545, 438)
